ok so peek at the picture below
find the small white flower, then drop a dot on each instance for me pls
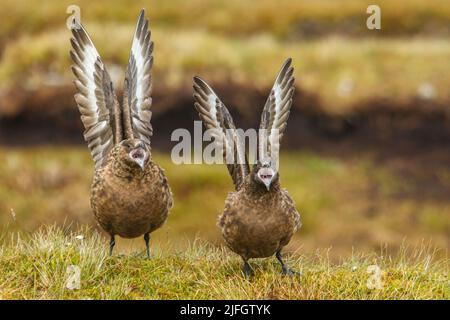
(354, 268)
(79, 237)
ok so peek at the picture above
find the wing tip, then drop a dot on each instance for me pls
(288, 61)
(141, 16)
(81, 36)
(142, 21)
(142, 27)
(287, 65)
(75, 24)
(199, 83)
(198, 80)
(285, 69)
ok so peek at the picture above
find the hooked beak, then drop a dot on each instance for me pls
(138, 156)
(266, 175)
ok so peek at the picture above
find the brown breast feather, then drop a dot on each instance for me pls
(130, 205)
(257, 225)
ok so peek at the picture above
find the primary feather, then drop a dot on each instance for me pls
(277, 108)
(96, 99)
(106, 123)
(138, 83)
(217, 118)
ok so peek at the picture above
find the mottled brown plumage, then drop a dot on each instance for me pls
(130, 195)
(129, 201)
(260, 217)
(257, 222)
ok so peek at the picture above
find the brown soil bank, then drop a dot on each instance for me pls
(49, 116)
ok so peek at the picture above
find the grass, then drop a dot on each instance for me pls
(214, 41)
(39, 268)
(285, 18)
(340, 72)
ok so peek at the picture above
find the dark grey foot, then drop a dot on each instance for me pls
(112, 243)
(147, 244)
(246, 269)
(289, 272)
(284, 269)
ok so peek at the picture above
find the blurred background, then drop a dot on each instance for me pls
(367, 151)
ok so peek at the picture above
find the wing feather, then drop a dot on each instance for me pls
(215, 116)
(138, 84)
(276, 110)
(95, 98)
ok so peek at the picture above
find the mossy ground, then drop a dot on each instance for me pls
(37, 268)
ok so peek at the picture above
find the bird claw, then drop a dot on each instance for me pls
(289, 272)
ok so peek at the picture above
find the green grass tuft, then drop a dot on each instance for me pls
(36, 268)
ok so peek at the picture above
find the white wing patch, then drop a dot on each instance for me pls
(276, 111)
(91, 77)
(137, 51)
(212, 101)
(217, 119)
(139, 82)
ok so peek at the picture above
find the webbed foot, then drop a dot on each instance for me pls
(284, 269)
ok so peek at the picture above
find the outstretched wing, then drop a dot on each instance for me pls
(216, 117)
(96, 100)
(137, 99)
(276, 111)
